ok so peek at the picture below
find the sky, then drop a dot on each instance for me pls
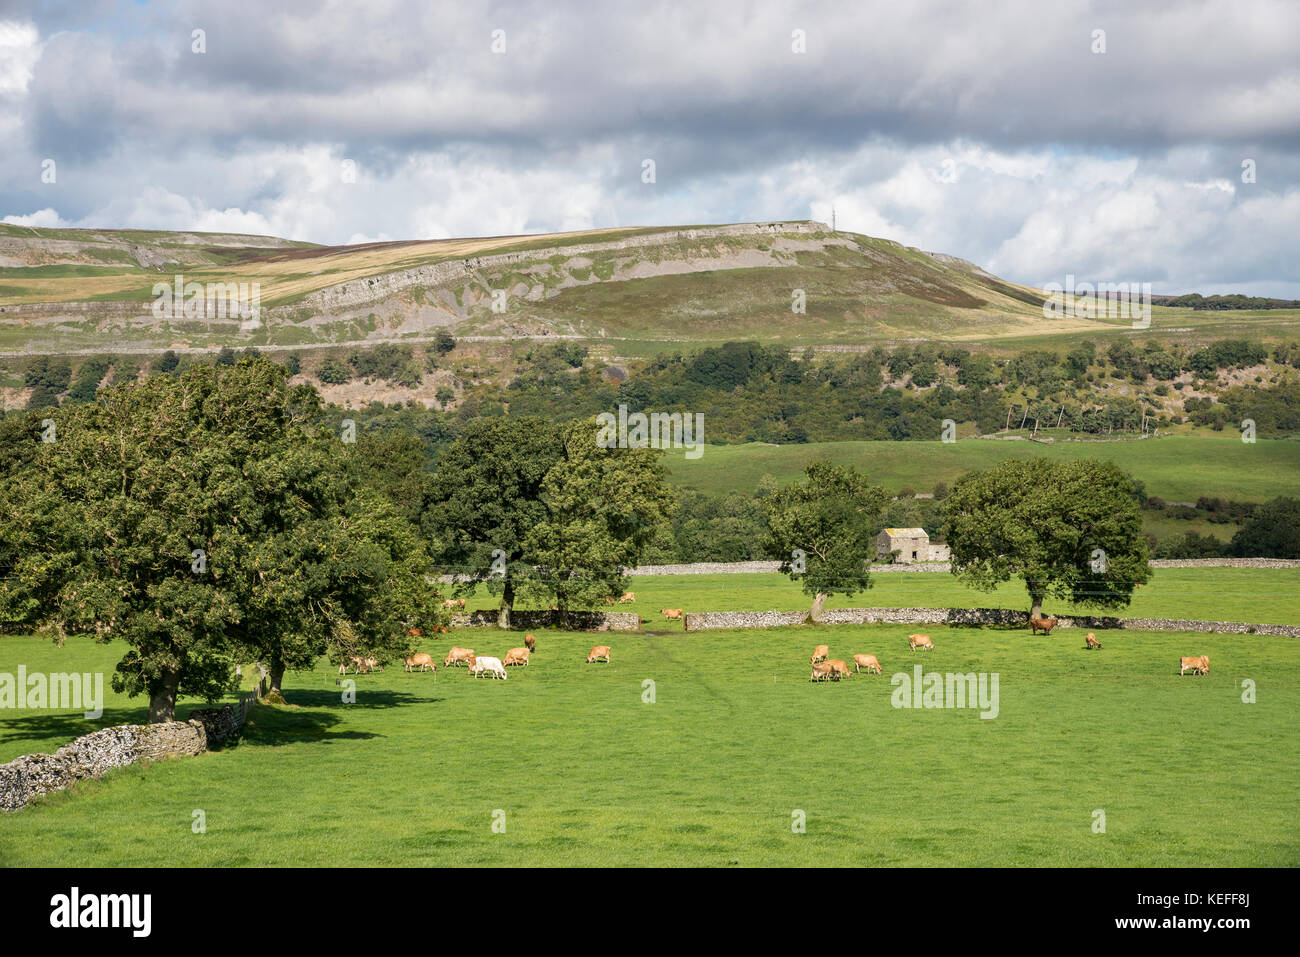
(1111, 141)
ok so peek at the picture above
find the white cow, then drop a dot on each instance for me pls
(485, 664)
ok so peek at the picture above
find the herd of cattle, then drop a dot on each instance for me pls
(824, 668)
(477, 665)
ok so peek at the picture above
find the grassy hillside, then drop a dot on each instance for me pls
(626, 292)
(1176, 468)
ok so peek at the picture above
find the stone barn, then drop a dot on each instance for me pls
(912, 545)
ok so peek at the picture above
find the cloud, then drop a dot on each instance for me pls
(41, 219)
(990, 132)
(19, 50)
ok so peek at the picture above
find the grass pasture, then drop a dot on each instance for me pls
(1262, 595)
(1176, 468)
(736, 741)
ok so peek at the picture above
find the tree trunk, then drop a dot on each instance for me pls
(277, 674)
(162, 702)
(507, 605)
(1036, 605)
(818, 602)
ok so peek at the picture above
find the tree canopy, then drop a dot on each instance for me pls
(822, 530)
(1072, 530)
(199, 519)
(603, 507)
(487, 497)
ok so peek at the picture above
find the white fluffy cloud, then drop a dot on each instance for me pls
(992, 133)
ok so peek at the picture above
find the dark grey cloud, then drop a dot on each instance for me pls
(739, 125)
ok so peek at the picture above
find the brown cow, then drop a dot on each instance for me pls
(820, 653)
(628, 596)
(1046, 624)
(372, 664)
(422, 661)
(610, 601)
(516, 656)
(454, 603)
(1199, 665)
(866, 661)
(456, 655)
(838, 668)
(356, 663)
(919, 641)
(822, 671)
(1090, 641)
(672, 614)
(600, 651)
(414, 633)
(531, 642)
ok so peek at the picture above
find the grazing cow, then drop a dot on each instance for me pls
(356, 663)
(920, 641)
(822, 671)
(531, 642)
(838, 668)
(672, 614)
(422, 661)
(516, 656)
(414, 633)
(1090, 641)
(628, 596)
(1199, 665)
(866, 661)
(1046, 624)
(456, 655)
(820, 653)
(610, 601)
(486, 665)
(600, 651)
(372, 664)
(454, 603)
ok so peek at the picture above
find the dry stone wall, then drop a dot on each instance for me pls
(972, 617)
(32, 775)
(26, 778)
(579, 620)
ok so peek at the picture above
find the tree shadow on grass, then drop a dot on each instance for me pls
(366, 698)
(61, 727)
(310, 716)
(272, 726)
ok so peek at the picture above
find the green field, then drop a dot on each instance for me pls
(1262, 595)
(1177, 468)
(736, 742)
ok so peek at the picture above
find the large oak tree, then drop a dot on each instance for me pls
(822, 529)
(486, 499)
(1071, 530)
(602, 508)
(200, 519)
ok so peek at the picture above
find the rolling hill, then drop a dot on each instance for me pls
(629, 292)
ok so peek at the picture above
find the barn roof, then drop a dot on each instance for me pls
(906, 532)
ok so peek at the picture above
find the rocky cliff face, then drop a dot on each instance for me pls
(479, 276)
